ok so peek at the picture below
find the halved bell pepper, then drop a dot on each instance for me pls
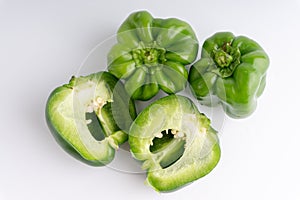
(90, 117)
(151, 54)
(232, 71)
(175, 142)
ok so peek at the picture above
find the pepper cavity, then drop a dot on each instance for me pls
(168, 145)
(94, 118)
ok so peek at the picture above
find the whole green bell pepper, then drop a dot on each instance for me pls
(90, 117)
(175, 142)
(232, 70)
(151, 54)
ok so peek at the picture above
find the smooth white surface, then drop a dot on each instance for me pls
(43, 43)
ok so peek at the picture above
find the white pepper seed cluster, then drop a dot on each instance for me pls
(95, 105)
(177, 135)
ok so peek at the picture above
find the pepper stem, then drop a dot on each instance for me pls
(226, 59)
(222, 58)
(149, 56)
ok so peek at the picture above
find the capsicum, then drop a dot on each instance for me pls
(232, 71)
(175, 142)
(151, 54)
(90, 116)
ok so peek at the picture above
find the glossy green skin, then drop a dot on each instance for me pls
(201, 151)
(66, 117)
(239, 91)
(151, 54)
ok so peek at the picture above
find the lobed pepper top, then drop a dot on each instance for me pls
(151, 54)
(231, 70)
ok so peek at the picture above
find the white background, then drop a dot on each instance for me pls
(43, 43)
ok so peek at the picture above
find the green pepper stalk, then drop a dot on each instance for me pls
(151, 54)
(232, 71)
(175, 142)
(90, 117)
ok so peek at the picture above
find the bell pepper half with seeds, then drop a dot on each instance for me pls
(232, 71)
(151, 54)
(175, 142)
(90, 117)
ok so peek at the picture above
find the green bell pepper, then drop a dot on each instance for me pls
(175, 142)
(151, 54)
(90, 117)
(232, 71)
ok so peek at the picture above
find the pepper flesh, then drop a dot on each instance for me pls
(173, 161)
(100, 96)
(151, 54)
(231, 71)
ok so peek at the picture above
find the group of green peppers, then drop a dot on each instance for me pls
(92, 115)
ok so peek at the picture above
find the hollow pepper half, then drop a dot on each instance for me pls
(175, 142)
(90, 117)
(151, 54)
(232, 70)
